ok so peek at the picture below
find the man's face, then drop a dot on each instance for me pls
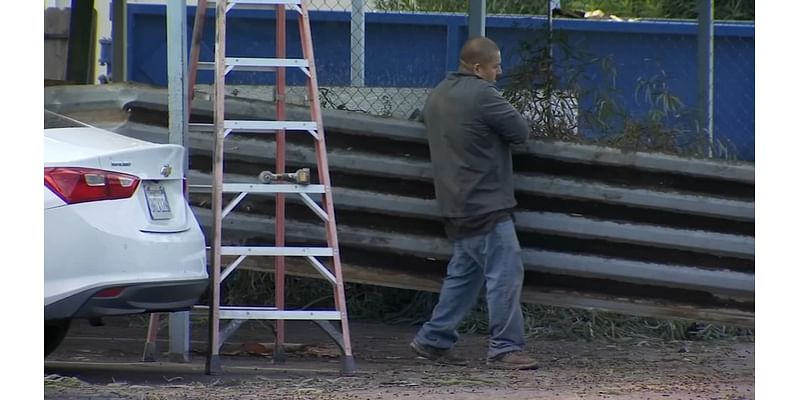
(491, 70)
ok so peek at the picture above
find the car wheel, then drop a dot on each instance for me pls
(54, 333)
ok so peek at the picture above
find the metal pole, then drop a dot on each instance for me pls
(176, 73)
(551, 4)
(357, 43)
(179, 337)
(213, 365)
(178, 124)
(194, 54)
(119, 41)
(705, 69)
(477, 18)
(280, 167)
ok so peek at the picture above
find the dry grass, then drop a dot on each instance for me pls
(400, 306)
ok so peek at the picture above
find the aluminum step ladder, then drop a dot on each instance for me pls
(222, 65)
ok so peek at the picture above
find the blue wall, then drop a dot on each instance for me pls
(417, 50)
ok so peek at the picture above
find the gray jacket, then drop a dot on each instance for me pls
(470, 128)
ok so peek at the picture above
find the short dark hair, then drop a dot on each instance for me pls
(478, 50)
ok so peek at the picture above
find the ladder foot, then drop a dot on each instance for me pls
(149, 354)
(213, 365)
(179, 358)
(348, 365)
(279, 355)
(332, 332)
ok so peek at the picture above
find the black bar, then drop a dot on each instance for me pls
(705, 69)
(80, 65)
(119, 33)
(477, 18)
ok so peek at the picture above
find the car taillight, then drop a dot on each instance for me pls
(110, 292)
(80, 185)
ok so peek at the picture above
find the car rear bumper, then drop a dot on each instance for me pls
(93, 245)
(134, 299)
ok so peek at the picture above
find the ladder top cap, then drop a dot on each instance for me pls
(260, 2)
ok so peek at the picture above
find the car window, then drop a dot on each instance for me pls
(53, 120)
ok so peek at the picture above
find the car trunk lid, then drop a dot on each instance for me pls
(159, 168)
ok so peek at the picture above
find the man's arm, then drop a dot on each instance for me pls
(502, 117)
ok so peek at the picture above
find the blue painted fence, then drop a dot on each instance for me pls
(417, 50)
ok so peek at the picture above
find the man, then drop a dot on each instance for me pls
(470, 129)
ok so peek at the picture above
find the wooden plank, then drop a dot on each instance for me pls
(412, 131)
(56, 41)
(705, 206)
(663, 163)
(543, 222)
(725, 282)
(669, 309)
(251, 150)
(675, 276)
(645, 235)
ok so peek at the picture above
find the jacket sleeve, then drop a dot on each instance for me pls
(502, 117)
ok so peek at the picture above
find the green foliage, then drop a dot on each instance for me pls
(461, 6)
(622, 8)
(547, 94)
(735, 10)
(675, 9)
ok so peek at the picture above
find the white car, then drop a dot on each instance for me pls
(119, 235)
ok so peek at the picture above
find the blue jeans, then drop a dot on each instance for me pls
(493, 258)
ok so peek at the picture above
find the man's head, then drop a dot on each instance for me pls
(481, 56)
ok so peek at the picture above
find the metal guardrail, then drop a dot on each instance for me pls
(638, 233)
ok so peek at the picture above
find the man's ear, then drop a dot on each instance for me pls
(476, 69)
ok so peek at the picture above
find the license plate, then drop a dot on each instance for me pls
(157, 201)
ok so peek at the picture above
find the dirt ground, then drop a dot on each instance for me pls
(104, 363)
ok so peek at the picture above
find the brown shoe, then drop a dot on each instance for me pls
(441, 356)
(513, 360)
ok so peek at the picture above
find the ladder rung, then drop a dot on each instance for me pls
(271, 188)
(276, 251)
(205, 66)
(234, 312)
(258, 126)
(269, 126)
(256, 64)
(261, 188)
(198, 127)
(258, 4)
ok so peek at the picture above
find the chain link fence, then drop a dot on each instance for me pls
(586, 75)
(383, 95)
(593, 77)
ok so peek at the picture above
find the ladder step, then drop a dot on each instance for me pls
(256, 64)
(261, 188)
(276, 251)
(234, 312)
(258, 4)
(271, 188)
(259, 126)
(198, 127)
